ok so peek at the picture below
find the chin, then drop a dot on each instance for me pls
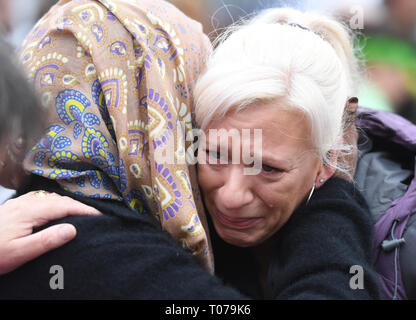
(240, 240)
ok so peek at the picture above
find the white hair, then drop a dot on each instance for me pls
(303, 60)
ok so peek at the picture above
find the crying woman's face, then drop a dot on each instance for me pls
(246, 210)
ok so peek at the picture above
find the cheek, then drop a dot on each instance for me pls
(207, 178)
(278, 206)
(280, 194)
(283, 197)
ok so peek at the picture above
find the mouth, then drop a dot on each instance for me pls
(236, 223)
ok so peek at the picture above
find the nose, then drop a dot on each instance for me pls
(236, 191)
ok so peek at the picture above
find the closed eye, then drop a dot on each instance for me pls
(213, 156)
(270, 170)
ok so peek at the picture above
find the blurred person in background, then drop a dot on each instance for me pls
(401, 19)
(199, 10)
(388, 47)
(19, 16)
(216, 15)
(388, 30)
(391, 75)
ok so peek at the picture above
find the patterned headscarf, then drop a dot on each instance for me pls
(116, 78)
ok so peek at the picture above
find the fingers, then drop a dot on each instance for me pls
(19, 216)
(41, 207)
(34, 245)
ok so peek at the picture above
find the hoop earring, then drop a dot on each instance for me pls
(310, 194)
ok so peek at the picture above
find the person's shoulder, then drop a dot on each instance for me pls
(336, 211)
(115, 257)
(337, 198)
(116, 226)
(342, 190)
(327, 235)
(114, 212)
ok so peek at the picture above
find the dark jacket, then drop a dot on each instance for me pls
(316, 250)
(119, 255)
(123, 255)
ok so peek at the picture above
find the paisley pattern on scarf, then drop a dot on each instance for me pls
(116, 78)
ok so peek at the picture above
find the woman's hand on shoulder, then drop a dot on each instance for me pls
(18, 218)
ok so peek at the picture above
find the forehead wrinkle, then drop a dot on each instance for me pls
(270, 125)
(273, 146)
(300, 121)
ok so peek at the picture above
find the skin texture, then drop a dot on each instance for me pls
(18, 218)
(247, 210)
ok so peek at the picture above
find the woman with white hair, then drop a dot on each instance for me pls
(289, 74)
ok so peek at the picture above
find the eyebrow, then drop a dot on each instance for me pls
(275, 162)
(269, 158)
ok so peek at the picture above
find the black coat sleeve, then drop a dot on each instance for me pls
(115, 257)
(319, 246)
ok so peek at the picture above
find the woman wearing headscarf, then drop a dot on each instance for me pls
(116, 79)
(117, 84)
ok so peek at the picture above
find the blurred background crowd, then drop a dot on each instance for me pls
(386, 39)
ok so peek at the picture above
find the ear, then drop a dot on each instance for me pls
(326, 171)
